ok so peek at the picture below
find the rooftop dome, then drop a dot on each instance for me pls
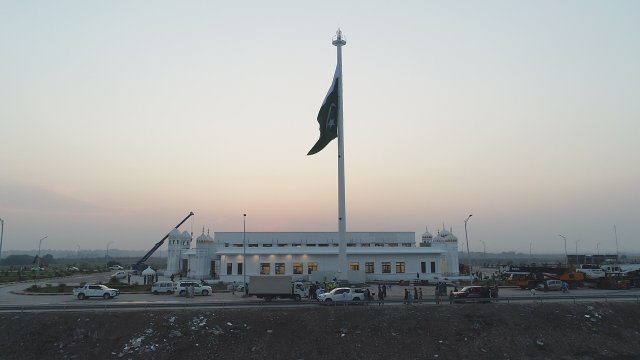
(174, 234)
(185, 235)
(445, 236)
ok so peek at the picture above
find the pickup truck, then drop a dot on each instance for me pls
(341, 294)
(88, 291)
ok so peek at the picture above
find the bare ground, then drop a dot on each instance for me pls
(498, 331)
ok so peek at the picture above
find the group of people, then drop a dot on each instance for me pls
(409, 296)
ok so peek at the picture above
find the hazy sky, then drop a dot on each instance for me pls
(117, 118)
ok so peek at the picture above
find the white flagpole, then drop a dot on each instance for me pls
(339, 42)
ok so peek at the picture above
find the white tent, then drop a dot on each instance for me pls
(148, 271)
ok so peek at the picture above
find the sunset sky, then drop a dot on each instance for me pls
(117, 118)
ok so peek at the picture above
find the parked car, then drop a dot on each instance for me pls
(550, 285)
(475, 294)
(37, 268)
(341, 294)
(96, 290)
(162, 287)
(182, 286)
(119, 275)
(72, 268)
(116, 267)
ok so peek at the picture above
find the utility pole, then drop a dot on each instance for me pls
(466, 235)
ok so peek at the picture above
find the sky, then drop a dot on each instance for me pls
(118, 118)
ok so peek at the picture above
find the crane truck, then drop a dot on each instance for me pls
(140, 265)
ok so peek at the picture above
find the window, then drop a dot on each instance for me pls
(407, 244)
(238, 245)
(265, 268)
(392, 244)
(354, 266)
(386, 267)
(323, 245)
(283, 245)
(351, 244)
(399, 267)
(335, 245)
(280, 269)
(253, 245)
(297, 268)
(266, 245)
(433, 266)
(369, 267)
(423, 267)
(240, 268)
(365, 245)
(311, 267)
(311, 244)
(379, 244)
(229, 268)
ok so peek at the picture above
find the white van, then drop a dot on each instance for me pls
(162, 287)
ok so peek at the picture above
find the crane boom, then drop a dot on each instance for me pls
(137, 266)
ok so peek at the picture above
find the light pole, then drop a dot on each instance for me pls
(566, 255)
(244, 253)
(1, 234)
(106, 256)
(466, 235)
(39, 246)
(598, 248)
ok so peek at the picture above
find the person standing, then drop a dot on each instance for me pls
(406, 296)
(420, 296)
(415, 293)
(437, 294)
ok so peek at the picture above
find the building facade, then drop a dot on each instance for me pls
(382, 256)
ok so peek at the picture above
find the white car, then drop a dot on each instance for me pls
(116, 267)
(119, 275)
(182, 286)
(72, 268)
(341, 294)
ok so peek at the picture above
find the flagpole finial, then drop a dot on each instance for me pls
(339, 39)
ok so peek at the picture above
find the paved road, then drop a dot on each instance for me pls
(8, 295)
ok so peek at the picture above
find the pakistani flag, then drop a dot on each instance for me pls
(328, 115)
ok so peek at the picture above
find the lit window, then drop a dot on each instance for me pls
(399, 267)
(354, 266)
(311, 267)
(297, 268)
(265, 268)
(280, 269)
(386, 267)
(369, 268)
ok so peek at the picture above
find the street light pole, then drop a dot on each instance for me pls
(106, 256)
(244, 253)
(40, 246)
(1, 235)
(566, 255)
(466, 235)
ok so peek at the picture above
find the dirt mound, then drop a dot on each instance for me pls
(537, 331)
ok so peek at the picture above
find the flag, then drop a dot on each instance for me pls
(328, 115)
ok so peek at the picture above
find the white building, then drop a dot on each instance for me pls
(313, 255)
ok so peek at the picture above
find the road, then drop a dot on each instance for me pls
(11, 297)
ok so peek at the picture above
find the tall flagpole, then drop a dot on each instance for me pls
(339, 42)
